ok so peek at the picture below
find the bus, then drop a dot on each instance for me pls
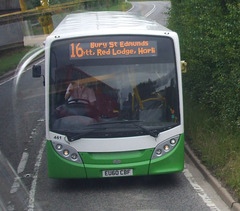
(128, 119)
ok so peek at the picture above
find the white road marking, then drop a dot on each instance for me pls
(9, 79)
(199, 190)
(41, 120)
(31, 202)
(16, 184)
(147, 14)
(39, 62)
(21, 167)
(23, 162)
(131, 8)
(151, 11)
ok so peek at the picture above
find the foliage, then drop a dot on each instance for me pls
(210, 43)
(150, 0)
(99, 4)
(33, 3)
(52, 2)
(36, 3)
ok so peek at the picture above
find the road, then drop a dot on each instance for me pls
(23, 145)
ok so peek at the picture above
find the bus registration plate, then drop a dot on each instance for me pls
(117, 173)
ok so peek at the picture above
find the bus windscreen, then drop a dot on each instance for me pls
(113, 86)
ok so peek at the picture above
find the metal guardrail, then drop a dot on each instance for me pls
(42, 10)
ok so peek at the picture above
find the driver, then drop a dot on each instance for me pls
(77, 90)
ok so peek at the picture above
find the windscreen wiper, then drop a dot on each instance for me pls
(134, 122)
(80, 135)
(149, 132)
(98, 127)
(72, 136)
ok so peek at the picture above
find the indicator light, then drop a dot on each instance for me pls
(66, 152)
(166, 148)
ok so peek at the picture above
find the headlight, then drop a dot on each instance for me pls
(173, 141)
(165, 146)
(58, 146)
(67, 152)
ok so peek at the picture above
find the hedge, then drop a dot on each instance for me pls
(209, 33)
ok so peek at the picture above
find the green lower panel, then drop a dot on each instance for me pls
(59, 167)
(95, 163)
(171, 162)
(108, 158)
(137, 160)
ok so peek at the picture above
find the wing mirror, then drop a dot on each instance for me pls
(37, 72)
(184, 66)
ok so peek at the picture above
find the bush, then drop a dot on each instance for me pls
(210, 43)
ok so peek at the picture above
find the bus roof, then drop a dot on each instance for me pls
(102, 23)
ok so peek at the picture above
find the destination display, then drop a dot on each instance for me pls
(112, 49)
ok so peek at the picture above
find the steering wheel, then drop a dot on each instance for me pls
(79, 107)
(78, 101)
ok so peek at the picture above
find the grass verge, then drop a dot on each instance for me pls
(9, 59)
(124, 6)
(215, 145)
(150, 0)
